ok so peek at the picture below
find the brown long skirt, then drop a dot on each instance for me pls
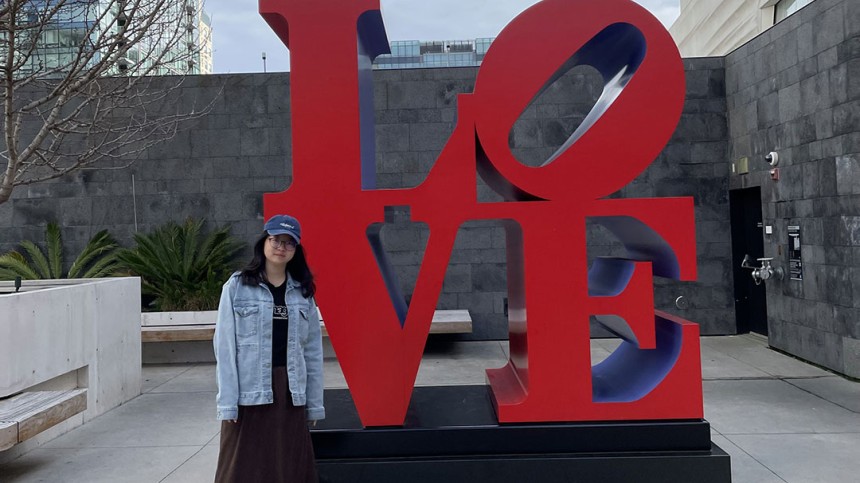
(269, 443)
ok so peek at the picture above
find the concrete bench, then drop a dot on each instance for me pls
(29, 413)
(177, 326)
(196, 326)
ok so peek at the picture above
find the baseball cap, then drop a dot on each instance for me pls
(284, 225)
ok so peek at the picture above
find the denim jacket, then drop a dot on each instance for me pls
(243, 349)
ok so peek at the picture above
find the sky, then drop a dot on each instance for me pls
(240, 36)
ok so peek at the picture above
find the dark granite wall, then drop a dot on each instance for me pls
(219, 168)
(795, 90)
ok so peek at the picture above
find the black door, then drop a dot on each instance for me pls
(747, 239)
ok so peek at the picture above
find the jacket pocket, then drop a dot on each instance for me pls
(248, 365)
(246, 320)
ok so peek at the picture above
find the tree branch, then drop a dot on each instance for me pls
(81, 108)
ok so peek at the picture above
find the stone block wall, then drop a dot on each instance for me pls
(795, 90)
(216, 168)
(413, 129)
(220, 166)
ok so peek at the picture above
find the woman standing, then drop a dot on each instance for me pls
(269, 363)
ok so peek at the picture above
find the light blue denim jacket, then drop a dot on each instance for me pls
(243, 349)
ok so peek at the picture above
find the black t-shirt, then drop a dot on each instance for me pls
(280, 324)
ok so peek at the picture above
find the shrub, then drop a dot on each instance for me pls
(98, 259)
(179, 268)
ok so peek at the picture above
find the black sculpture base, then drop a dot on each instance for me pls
(451, 435)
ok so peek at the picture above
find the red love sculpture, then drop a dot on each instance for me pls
(379, 340)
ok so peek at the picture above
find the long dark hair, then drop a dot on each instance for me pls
(255, 272)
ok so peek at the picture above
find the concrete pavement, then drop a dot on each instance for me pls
(780, 419)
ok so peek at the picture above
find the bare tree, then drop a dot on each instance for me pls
(79, 85)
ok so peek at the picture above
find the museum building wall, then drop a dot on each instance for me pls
(219, 168)
(795, 90)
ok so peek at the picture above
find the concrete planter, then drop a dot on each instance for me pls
(65, 334)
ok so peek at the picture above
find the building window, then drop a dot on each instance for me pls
(784, 8)
(411, 54)
(482, 45)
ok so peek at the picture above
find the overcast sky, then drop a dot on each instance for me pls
(240, 35)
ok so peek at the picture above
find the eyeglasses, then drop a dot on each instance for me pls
(286, 244)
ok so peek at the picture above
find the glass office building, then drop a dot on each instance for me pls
(414, 54)
(58, 41)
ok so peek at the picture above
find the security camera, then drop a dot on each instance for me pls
(772, 158)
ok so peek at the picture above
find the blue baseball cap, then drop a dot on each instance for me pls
(284, 225)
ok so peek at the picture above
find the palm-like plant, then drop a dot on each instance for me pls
(179, 267)
(98, 259)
